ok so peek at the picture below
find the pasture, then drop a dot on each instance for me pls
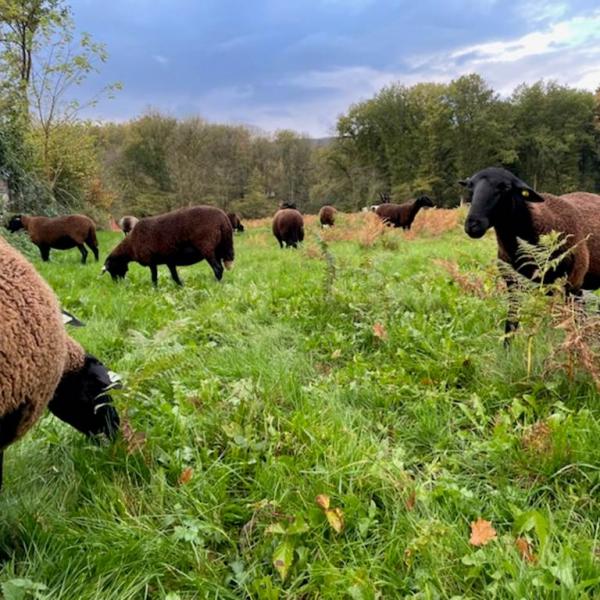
(323, 423)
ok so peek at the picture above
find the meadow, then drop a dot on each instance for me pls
(323, 423)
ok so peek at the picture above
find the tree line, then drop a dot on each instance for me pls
(404, 141)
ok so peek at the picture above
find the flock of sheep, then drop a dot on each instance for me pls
(43, 367)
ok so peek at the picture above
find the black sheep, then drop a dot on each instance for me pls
(288, 227)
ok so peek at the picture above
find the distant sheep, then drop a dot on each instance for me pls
(402, 215)
(41, 366)
(327, 215)
(501, 200)
(126, 224)
(235, 222)
(288, 227)
(178, 238)
(59, 233)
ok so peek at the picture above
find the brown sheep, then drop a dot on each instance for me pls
(41, 366)
(127, 224)
(235, 222)
(178, 238)
(501, 200)
(327, 215)
(60, 233)
(288, 227)
(402, 215)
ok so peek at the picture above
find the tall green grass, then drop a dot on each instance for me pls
(272, 387)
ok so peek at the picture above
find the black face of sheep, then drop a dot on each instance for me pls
(15, 224)
(116, 266)
(492, 192)
(82, 401)
(425, 202)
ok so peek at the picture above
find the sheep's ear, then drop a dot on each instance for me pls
(526, 192)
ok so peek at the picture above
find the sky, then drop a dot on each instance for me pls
(299, 64)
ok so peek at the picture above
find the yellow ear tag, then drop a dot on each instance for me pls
(525, 193)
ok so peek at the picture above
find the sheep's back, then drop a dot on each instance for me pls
(588, 208)
(287, 219)
(32, 340)
(163, 235)
(51, 230)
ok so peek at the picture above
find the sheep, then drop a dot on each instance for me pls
(288, 227)
(235, 222)
(327, 215)
(516, 211)
(180, 237)
(60, 233)
(401, 215)
(41, 365)
(126, 224)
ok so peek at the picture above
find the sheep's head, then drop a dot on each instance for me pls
(492, 192)
(82, 400)
(116, 266)
(425, 201)
(15, 224)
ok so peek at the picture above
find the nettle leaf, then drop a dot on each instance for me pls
(22, 589)
(298, 526)
(283, 558)
(276, 529)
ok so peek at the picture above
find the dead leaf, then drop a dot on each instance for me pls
(336, 353)
(410, 501)
(482, 532)
(525, 550)
(186, 475)
(380, 331)
(134, 440)
(335, 516)
(323, 501)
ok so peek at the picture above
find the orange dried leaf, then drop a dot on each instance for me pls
(323, 501)
(525, 550)
(335, 516)
(411, 500)
(186, 475)
(482, 532)
(380, 331)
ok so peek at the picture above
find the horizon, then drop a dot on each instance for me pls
(298, 66)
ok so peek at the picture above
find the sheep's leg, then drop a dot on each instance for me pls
(84, 253)
(94, 249)
(154, 274)
(216, 266)
(512, 319)
(45, 252)
(1, 467)
(174, 274)
(280, 242)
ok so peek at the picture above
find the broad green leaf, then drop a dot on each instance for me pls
(283, 558)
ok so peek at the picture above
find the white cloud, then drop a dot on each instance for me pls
(160, 59)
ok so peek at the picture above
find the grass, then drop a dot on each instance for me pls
(368, 368)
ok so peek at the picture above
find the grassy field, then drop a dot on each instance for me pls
(369, 372)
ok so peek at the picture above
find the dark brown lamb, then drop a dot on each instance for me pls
(501, 200)
(327, 215)
(178, 238)
(402, 215)
(235, 222)
(59, 233)
(288, 227)
(41, 366)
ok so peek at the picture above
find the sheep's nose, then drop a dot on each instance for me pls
(474, 228)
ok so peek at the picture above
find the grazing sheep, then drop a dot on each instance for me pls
(402, 215)
(235, 222)
(501, 200)
(127, 224)
(60, 233)
(288, 227)
(327, 215)
(40, 364)
(178, 238)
